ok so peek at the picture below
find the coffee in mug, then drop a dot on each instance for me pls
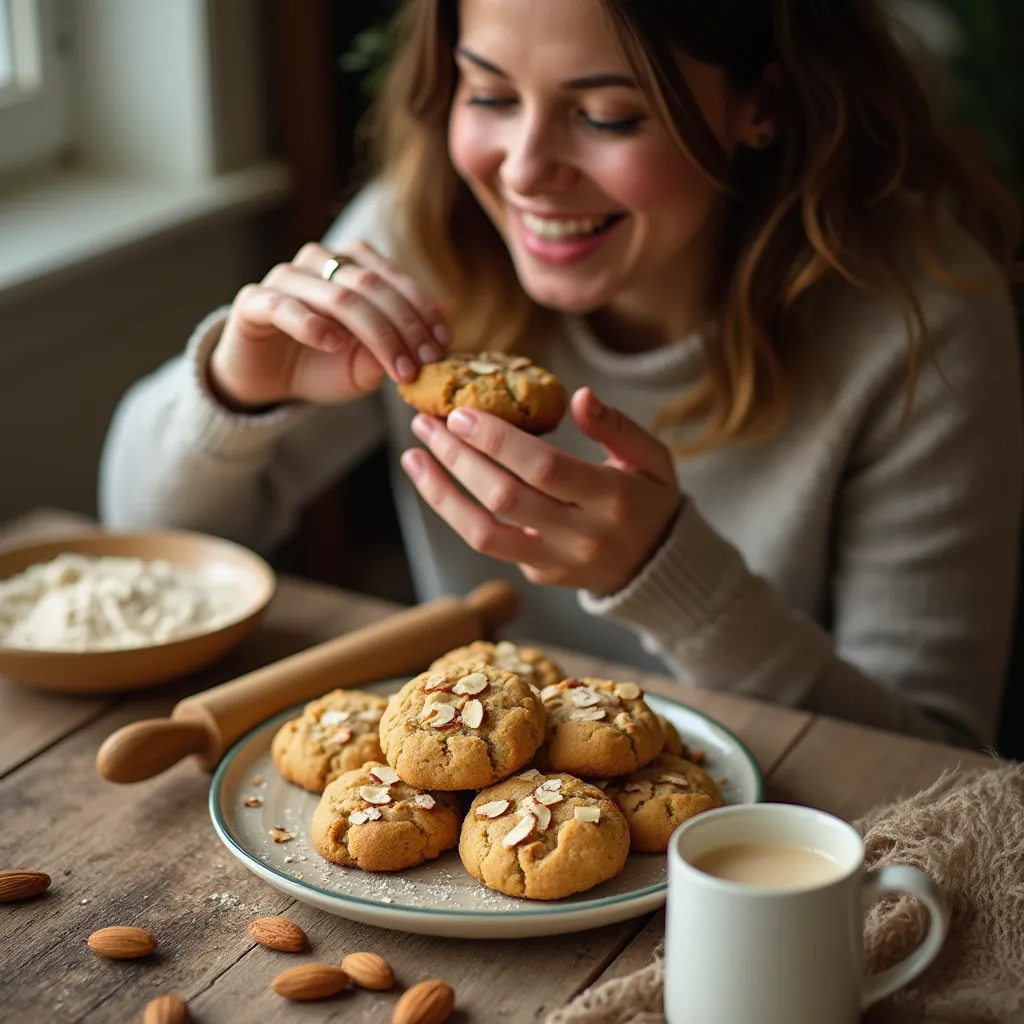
(765, 919)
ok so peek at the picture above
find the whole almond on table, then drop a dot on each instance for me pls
(310, 981)
(167, 1009)
(121, 942)
(20, 885)
(278, 933)
(368, 970)
(429, 1002)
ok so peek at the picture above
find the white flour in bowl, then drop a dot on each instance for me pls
(83, 603)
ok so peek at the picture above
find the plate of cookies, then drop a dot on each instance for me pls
(488, 797)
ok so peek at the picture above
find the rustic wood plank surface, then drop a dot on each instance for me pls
(147, 855)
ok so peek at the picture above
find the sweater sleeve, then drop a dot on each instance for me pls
(926, 519)
(175, 457)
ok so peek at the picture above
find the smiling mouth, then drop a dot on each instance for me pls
(569, 229)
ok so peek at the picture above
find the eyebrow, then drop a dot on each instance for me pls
(587, 82)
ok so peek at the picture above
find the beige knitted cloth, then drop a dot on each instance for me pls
(967, 832)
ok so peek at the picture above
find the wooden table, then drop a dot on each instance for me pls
(147, 855)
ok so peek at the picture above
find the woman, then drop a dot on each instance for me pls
(793, 464)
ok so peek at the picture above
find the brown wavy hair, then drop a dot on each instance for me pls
(854, 128)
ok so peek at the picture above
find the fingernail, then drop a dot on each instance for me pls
(405, 368)
(594, 406)
(428, 353)
(411, 464)
(424, 427)
(443, 335)
(462, 422)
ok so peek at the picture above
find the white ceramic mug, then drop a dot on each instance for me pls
(750, 954)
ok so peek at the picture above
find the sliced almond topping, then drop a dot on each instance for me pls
(519, 363)
(628, 691)
(637, 787)
(279, 835)
(587, 714)
(548, 797)
(592, 814)
(539, 811)
(438, 681)
(358, 818)
(622, 719)
(521, 831)
(475, 682)
(342, 736)
(584, 698)
(478, 366)
(334, 717)
(375, 794)
(675, 779)
(253, 801)
(473, 714)
(552, 785)
(534, 689)
(382, 773)
(424, 800)
(443, 714)
(372, 813)
(505, 649)
(495, 809)
(370, 715)
(552, 692)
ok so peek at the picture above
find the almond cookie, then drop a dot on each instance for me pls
(598, 728)
(543, 837)
(533, 665)
(370, 819)
(508, 386)
(657, 799)
(334, 734)
(462, 727)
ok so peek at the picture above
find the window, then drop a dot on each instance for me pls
(35, 82)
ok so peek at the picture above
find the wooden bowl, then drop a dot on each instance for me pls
(114, 671)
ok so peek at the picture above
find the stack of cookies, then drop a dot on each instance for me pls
(563, 777)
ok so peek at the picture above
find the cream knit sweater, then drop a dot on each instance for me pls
(860, 563)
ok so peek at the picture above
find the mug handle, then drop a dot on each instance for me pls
(902, 878)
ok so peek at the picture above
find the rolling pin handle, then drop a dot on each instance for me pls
(495, 602)
(144, 749)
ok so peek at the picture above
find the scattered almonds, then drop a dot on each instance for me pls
(429, 1002)
(310, 981)
(370, 715)
(473, 714)
(424, 800)
(478, 366)
(368, 970)
(253, 801)
(342, 736)
(628, 691)
(358, 818)
(167, 1009)
(592, 814)
(384, 774)
(438, 681)
(278, 933)
(280, 835)
(551, 786)
(539, 811)
(495, 809)
(552, 692)
(121, 942)
(584, 698)
(548, 797)
(587, 714)
(439, 715)
(520, 831)
(676, 780)
(20, 885)
(475, 682)
(375, 794)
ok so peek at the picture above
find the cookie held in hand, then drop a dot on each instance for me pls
(370, 819)
(334, 734)
(658, 798)
(543, 837)
(511, 387)
(463, 727)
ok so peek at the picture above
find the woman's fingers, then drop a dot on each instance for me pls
(262, 306)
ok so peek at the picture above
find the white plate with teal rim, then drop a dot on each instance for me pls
(441, 897)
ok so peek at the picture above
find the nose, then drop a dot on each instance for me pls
(535, 159)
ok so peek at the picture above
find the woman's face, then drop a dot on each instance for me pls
(596, 203)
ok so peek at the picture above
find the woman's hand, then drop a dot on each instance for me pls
(564, 521)
(299, 336)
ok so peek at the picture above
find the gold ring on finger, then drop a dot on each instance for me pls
(333, 264)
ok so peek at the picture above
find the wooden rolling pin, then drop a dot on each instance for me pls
(208, 723)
